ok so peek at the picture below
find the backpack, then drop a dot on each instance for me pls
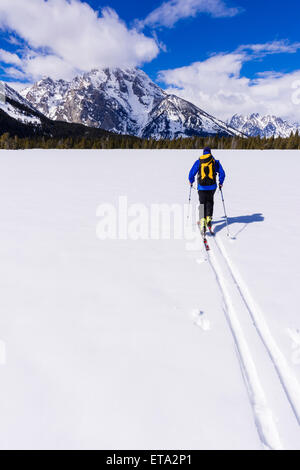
(207, 171)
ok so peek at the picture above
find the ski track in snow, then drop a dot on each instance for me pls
(264, 419)
(237, 298)
(286, 376)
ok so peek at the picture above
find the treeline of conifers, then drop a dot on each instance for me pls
(8, 142)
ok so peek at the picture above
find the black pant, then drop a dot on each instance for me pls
(206, 207)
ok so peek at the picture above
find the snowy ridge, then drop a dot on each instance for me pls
(55, 91)
(174, 117)
(124, 101)
(21, 116)
(25, 114)
(264, 126)
(113, 99)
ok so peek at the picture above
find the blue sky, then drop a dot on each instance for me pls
(190, 47)
(193, 39)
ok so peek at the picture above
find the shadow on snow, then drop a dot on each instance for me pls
(242, 219)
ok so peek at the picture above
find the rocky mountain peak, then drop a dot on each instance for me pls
(125, 101)
(264, 126)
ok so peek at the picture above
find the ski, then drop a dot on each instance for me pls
(203, 236)
(206, 245)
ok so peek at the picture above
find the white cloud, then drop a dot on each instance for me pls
(13, 72)
(49, 66)
(9, 58)
(18, 85)
(218, 86)
(67, 36)
(274, 47)
(172, 11)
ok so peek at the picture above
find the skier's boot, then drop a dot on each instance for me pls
(202, 226)
(209, 224)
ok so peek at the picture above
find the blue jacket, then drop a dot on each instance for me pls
(195, 170)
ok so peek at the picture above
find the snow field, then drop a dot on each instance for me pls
(132, 344)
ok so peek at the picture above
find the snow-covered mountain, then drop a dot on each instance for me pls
(17, 107)
(125, 101)
(19, 117)
(264, 126)
(174, 117)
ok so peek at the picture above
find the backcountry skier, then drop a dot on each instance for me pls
(206, 168)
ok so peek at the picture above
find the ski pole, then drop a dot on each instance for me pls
(190, 198)
(228, 233)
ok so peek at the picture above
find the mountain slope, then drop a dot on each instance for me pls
(174, 117)
(264, 126)
(113, 99)
(17, 107)
(125, 101)
(19, 117)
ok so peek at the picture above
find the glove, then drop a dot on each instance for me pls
(220, 186)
